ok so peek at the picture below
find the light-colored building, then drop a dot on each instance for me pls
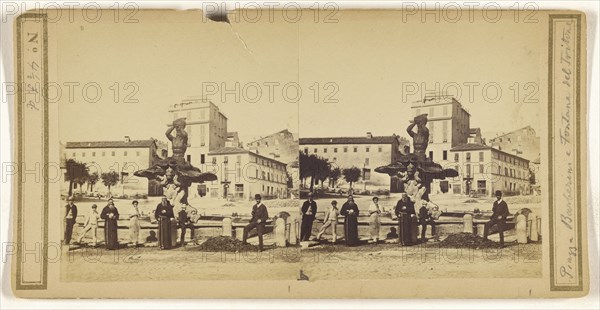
(484, 169)
(365, 153)
(242, 174)
(206, 128)
(124, 157)
(523, 142)
(233, 139)
(283, 146)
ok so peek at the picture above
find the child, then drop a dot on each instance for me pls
(330, 220)
(91, 223)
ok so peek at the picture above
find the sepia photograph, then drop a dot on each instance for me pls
(322, 154)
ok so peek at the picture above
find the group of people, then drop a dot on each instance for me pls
(110, 214)
(428, 213)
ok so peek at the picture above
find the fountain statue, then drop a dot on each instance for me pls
(174, 173)
(415, 170)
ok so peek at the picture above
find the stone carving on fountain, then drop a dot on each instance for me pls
(415, 170)
(174, 173)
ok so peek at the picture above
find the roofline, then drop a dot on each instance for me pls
(487, 147)
(269, 135)
(395, 137)
(508, 133)
(244, 151)
(66, 145)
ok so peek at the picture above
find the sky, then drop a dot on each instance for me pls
(365, 61)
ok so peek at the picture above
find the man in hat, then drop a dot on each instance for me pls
(70, 218)
(185, 222)
(309, 210)
(91, 224)
(499, 214)
(258, 220)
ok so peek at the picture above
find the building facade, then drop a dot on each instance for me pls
(523, 142)
(206, 128)
(365, 153)
(484, 169)
(242, 174)
(124, 157)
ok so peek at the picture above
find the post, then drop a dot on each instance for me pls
(521, 228)
(293, 226)
(468, 223)
(227, 227)
(280, 232)
(534, 229)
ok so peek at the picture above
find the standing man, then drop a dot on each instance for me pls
(374, 220)
(258, 220)
(350, 212)
(405, 211)
(500, 212)
(185, 222)
(404, 205)
(330, 220)
(134, 224)
(309, 210)
(91, 224)
(110, 215)
(163, 214)
(70, 218)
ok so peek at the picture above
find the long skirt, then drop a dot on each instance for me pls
(351, 230)
(134, 229)
(110, 235)
(374, 225)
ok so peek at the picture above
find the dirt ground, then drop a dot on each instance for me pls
(368, 261)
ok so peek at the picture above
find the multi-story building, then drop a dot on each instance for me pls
(233, 139)
(449, 126)
(365, 153)
(523, 142)
(242, 174)
(206, 128)
(124, 157)
(282, 146)
(484, 169)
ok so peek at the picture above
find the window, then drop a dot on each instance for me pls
(481, 156)
(306, 150)
(125, 153)
(137, 153)
(93, 154)
(82, 154)
(74, 154)
(468, 170)
(315, 150)
(445, 155)
(214, 160)
(367, 161)
(345, 149)
(505, 171)
(335, 149)
(431, 155)
(189, 158)
(481, 168)
(113, 153)
(366, 174)
(103, 154)
(367, 149)
(468, 156)
(225, 159)
(456, 156)
(380, 149)
(431, 131)
(355, 149)
(324, 150)
(202, 158)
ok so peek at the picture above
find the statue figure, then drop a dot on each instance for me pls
(174, 173)
(421, 137)
(180, 141)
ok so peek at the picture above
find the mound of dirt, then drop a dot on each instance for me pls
(466, 240)
(226, 244)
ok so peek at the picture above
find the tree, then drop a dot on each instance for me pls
(313, 166)
(75, 172)
(92, 180)
(110, 179)
(82, 179)
(334, 176)
(351, 175)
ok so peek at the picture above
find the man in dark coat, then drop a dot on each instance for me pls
(404, 205)
(110, 215)
(185, 222)
(164, 209)
(350, 212)
(258, 220)
(500, 212)
(70, 218)
(309, 210)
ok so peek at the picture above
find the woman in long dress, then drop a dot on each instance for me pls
(110, 215)
(134, 224)
(374, 219)
(350, 212)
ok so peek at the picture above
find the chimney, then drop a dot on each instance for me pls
(369, 135)
(127, 139)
